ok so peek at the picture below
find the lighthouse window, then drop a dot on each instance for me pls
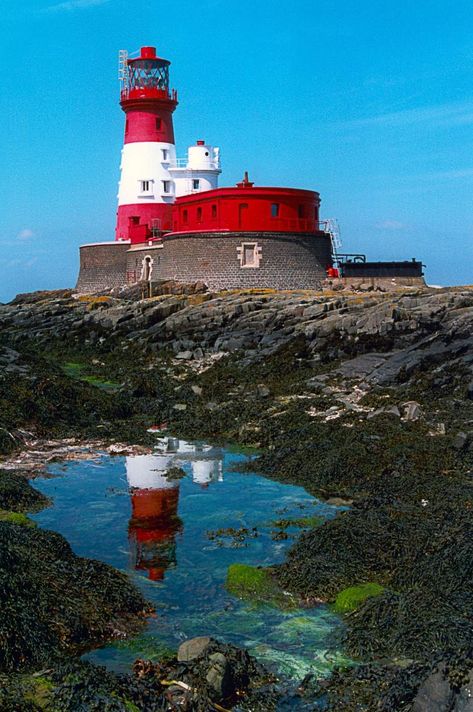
(199, 214)
(214, 211)
(145, 186)
(165, 154)
(301, 211)
(158, 124)
(195, 184)
(184, 217)
(274, 210)
(166, 186)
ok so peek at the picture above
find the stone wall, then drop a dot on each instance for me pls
(247, 260)
(143, 263)
(102, 266)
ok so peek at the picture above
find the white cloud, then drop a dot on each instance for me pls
(393, 225)
(20, 262)
(448, 174)
(453, 114)
(25, 234)
(70, 5)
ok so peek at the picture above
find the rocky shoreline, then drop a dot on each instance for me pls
(362, 396)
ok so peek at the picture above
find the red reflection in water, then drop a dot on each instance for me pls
(152, 530)
(154, 520)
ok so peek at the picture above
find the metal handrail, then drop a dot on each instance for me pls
(183, 163)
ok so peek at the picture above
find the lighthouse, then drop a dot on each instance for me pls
(146, 188)
(151, 176)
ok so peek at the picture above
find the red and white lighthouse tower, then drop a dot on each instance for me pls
(146, 189)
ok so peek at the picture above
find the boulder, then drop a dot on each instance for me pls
(411, 410)
(184, 355)
(219, 676)
(193, 648)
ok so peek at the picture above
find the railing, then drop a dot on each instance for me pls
(134, 92)
(183, 163)
(353, 257)
(178, 163)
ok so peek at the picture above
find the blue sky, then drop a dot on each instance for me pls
(368, 102)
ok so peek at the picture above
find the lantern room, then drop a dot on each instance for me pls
(145, 76)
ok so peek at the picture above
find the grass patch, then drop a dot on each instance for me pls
(352, 597)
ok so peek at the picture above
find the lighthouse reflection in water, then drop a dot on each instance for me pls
(154, 492)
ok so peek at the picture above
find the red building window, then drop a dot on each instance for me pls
(158, 124)
(274, 210)
(214, 211)
(184, 217)
(301, 211)
(199, 215)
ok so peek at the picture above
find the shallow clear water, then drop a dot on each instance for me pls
(124, 511)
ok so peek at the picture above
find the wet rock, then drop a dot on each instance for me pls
(175, 473)
(411, 410)
(434, 694)
(464, 699)
(263, 391)
(375, 413)
(220, 676)
(193, 648)
(362, 365)
(184, 355)
(460, 440)
(180, 406)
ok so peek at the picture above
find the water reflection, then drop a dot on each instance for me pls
(155, 522)
(206, 462)
(192, 599)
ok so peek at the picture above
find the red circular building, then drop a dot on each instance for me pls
(248, 209)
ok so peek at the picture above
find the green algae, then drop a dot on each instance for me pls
(239, 449)
(146, 646)
(76, 370)
(25, 693)
(39, 692)
(299, 523)
(130, 706)
(352, 597)
(16, 518)
(256, 584)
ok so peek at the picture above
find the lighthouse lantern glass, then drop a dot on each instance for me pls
(148, 74)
